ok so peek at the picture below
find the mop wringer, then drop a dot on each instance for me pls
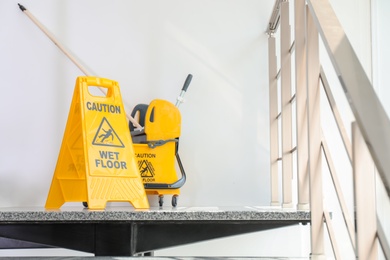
(156, 146)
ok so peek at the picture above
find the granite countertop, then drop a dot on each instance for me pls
(172, 258)
(80, 214)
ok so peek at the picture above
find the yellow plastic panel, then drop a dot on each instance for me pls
(163, 121)
(96, 163)
(157, 165)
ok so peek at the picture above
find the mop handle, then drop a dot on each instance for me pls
(52, 38)
(61, 47)
(180, 98)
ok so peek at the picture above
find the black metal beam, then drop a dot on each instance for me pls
(8, 243)
(151, 237)
(74, 236)
(127, 238)
(114, 239)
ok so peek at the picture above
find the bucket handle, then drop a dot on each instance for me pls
(176, 185)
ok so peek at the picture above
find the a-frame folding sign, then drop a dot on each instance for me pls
(96, 163)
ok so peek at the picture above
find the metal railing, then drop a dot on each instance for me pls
(368, 149)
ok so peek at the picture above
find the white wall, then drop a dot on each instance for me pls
(381, 41)
(149, 47)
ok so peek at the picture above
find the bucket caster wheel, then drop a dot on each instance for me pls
(174, 200)
(85, 204)
(160, 200)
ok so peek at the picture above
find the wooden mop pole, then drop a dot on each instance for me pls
(61, 47)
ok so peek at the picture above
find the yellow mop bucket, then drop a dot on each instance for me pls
(156, 148)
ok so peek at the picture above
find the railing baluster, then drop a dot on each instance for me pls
(364, 180)
(286, 104)
(273, 108)
(315, 159)
(301, 106)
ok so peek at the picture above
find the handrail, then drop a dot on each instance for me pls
(336, 115)
(275, 18)
(340, 197)
(371, 120)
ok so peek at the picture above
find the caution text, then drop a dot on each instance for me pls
(100, 107)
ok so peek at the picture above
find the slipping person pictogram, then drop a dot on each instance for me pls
(106, 135)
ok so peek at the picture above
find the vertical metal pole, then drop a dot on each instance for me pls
(273, 114)
(285, 42)
(364, 184)
(301, 104)
(314, 123)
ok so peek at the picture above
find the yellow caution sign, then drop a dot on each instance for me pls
(96, 163)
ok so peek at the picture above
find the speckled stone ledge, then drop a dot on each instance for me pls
(123, 214)
(170, 258)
